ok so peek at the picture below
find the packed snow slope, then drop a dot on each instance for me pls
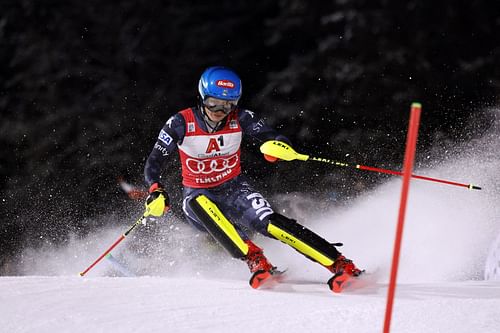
(194, 304)
(186, 283)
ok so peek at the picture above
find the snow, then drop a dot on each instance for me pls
(162, 304)
(187, 284)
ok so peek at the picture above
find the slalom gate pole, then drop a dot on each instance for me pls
(411, 143)
(118, 241)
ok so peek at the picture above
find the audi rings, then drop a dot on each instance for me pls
(209, 166)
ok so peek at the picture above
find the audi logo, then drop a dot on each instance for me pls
(209, 166)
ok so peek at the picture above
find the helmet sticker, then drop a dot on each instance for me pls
(225, 84)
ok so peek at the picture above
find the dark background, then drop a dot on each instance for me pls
(85, 87)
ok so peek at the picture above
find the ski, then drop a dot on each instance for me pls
(118, 266)
(344, 282)
(266, 279)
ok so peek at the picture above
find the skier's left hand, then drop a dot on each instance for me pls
(271, 159)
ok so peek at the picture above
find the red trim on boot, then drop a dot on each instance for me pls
(344, 265)
(255, 258)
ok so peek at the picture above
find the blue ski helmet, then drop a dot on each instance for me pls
(220, 82)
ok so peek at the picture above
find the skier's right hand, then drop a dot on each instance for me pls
(157, 202)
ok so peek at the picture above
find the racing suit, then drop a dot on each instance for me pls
(211, 164)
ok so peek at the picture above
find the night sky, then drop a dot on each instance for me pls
(86, 86)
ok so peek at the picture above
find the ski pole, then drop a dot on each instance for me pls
(118, 241)
(284, 152)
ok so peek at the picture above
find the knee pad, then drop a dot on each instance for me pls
(218, 225)
(302, 239)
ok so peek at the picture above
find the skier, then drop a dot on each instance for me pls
(217, 198)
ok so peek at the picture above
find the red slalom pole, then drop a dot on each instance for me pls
(411, 143)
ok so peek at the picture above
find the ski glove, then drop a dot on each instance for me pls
(270, 158)
(157, 202)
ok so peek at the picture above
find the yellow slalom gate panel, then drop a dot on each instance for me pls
(282, 151)
(298, 245)
(227, 227)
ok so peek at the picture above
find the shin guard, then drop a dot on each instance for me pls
(302, 239)
(219, 226)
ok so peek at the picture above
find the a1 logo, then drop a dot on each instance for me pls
(214, 144)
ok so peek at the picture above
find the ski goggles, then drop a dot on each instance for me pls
(220, 105)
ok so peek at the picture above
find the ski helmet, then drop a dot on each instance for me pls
(220, 82)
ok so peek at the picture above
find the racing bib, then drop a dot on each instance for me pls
(210, 159)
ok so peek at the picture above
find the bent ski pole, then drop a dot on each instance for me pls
(283, 151)
(118, 241)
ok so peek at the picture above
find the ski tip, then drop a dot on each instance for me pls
(339, 282)
(267, 278)
(258, 278)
